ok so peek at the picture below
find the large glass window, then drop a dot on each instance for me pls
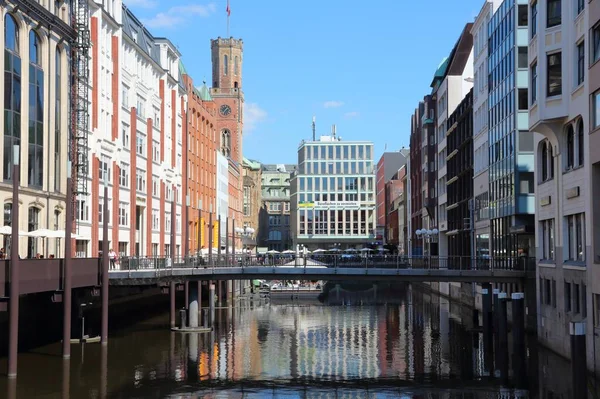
(596, 109)
(533, 83)
(554, 74)
(35, 175)
(596, 43)
(32, 225)
(12, 94)
(554, 13)
(533, 27)
(580, 63)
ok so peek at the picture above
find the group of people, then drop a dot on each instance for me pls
(4, 255)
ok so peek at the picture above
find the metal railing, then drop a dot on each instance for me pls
(328, 261)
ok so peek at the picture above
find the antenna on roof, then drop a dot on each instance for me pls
(333, 131)
(314, 127)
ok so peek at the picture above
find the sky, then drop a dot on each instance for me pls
(360, 65)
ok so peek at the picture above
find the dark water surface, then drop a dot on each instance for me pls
(422, 346)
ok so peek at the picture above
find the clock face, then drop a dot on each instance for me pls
(225, 110)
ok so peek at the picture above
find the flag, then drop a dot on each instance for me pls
(228, 9)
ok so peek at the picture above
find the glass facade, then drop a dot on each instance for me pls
(508, 137)
(12, 94)
(35, 171)
(335, 194)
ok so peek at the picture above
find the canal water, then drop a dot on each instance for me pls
(411, 344)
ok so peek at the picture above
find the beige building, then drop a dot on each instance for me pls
(251, 202)
(35, 79)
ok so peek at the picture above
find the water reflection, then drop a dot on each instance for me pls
(418, 347)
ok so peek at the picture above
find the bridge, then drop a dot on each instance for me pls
(152, 271)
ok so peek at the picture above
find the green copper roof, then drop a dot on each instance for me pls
(255, 165)
(204, 93)
(441, 71)
(427, 121)
(182, 70)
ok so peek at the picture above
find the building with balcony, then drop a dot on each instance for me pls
(459, 136)
(36, 102)
(333, 194)
(387, 168)
(252, 183)
(481, 149)
(451, 83)
(274, 215)
(562, 44)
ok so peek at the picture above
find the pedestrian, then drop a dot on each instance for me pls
(112, 256)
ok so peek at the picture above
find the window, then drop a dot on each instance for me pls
(155, 151)
(522, 93)
(554, 13)
(32, 225)
(570, 147)
(575, 225)
(155, 186)
(580, 142)
(522, 14)
(568, 299)
(547, 238)
(533, 26)
(82, 210)
(123, 214)
(235, 65)
(533, 86)
(522, 59)
(580, 73)
(140, 145)
(140, 107)
(225, 64)
(554, 80)
(577, 299)
(35, 175)
(596, 43)
(124, 175)
(140, 179)
(101, 211)
(155, 219)
(580, 6)
(596, 109)
(125, 136)
(125, 95)
(547, 161)
(104, 168)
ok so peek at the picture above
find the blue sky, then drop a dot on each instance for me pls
(360, 65)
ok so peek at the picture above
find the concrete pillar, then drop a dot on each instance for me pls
(518, 335)
(488, 327)
(502, 356)
(193, 308)
(211, 304)
(578, 360)
(172, 303)
(187, 294)
(199, 294)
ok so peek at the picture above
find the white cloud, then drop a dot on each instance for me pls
(333, 104)
(352, 114)
(253, 115)
(177, 15)
(141, 3)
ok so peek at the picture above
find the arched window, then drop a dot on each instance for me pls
(34, 48)
(11, 34)
(226, 142)
(570, 147)
(12, 94)
(33, 221)
(36, 114)
(57, 117)
(235, 65)
(580, 142)
(544, 161)
(225, 64)
(550, 160)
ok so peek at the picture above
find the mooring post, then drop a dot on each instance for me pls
(104, 371)
(488, 336)
(518, 338)
(105, 266)
(172, 303)
(578, 360)
(503, 337)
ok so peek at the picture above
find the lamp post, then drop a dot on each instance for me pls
(67, 266)
(105, 262)
(186, 249)
(13, 337)
(210, 235)
(199, 243)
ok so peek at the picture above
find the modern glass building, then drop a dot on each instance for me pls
(511, 181)
(333, 194)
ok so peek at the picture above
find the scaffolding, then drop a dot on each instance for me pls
(79, 129)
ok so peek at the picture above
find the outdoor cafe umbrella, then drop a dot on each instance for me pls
(318, 251)
(272, 252)
(288, 251)
(7, 231)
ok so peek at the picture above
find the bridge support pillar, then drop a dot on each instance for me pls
(518, 338)
(192, 305)
(495, 319)
(578, 360)
(488, 337)
(502, 337)
(172, 303)
(199, 295)
(211, 303)
(187, 294)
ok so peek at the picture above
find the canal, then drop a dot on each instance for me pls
(416, 345)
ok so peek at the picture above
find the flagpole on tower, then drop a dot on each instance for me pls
(228, 14)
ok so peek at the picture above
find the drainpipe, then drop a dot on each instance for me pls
(49, 35)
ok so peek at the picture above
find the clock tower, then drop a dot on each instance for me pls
(227, 94)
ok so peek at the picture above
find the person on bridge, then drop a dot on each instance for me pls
(112, 256)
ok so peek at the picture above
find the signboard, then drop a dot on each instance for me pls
(337, 205)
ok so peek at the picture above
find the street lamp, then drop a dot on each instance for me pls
(199, 243)
(13, 335)
(186, 249)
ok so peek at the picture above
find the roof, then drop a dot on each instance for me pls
(135, 30)
(455, 63)
(252, 164)
(281, 168)
(204, 92)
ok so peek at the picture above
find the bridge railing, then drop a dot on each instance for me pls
(330, 261)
